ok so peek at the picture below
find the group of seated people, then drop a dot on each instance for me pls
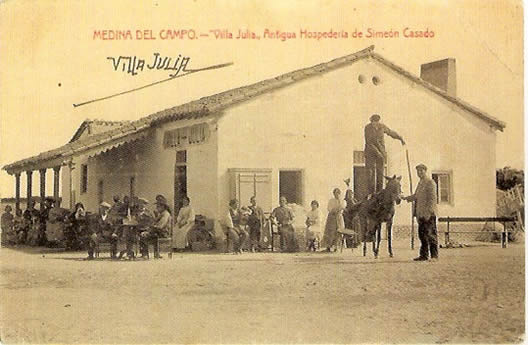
(241, 225)
(28, 227)
(247, 227)
(130, 221)
(127, 221)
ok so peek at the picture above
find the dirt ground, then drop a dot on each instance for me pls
(472, 294)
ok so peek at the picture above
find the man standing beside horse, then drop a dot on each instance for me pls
(425, 211)
(375, 153)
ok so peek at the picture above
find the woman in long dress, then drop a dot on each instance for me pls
(334, 221)
(313, 226)
(184, 223)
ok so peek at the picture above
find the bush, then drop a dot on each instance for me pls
(507, 178)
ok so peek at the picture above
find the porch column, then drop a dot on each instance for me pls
(56, 179)
(17, 192)
(71, 166)
(29, 192)
(42, 186)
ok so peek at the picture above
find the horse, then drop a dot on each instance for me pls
(374, 211)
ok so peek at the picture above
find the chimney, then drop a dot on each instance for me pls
(441, 74)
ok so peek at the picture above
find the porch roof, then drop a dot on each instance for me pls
(91, 146)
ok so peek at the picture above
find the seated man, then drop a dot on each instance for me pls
(129, 236)
(256, 223)
(145, 220)
(99, 228)
(236, 235)
(161, 226)
(283, 216)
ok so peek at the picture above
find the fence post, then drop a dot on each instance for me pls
(504, 235)
(446, 235)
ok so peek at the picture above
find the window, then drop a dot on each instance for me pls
(359, 158)
(84, 178)
(181, 157)
(376, 80)
(291, 186)
(187, 135)
(444, 192)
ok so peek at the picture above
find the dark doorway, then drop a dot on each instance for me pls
(360, 183)
(180, 180)
(361, 176)
(290, 186)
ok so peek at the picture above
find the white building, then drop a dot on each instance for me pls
(299, 134)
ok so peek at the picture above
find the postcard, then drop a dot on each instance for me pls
(262, 172)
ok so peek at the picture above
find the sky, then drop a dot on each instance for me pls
(50, 59)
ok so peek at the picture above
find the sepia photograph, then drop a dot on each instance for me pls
(228, 172)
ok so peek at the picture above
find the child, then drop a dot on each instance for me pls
(33, 231)
(245, 213)
(313, 226)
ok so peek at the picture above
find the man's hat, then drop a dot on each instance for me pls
(160, 199)
(421, 166)
(105, 204)
(142, 201)
(375, 117)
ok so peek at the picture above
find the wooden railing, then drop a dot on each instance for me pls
(503, 220)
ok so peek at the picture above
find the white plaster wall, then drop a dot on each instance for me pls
(153, 169)
(89, 199)
(316, 124)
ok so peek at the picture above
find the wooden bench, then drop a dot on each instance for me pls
(504, 220)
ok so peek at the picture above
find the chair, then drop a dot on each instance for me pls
(274, 231)
(344, 235)
(229, 243)
(97, 250)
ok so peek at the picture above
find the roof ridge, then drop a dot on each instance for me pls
(105, 122)
(272, 83)
(205, 105)
(458, 101)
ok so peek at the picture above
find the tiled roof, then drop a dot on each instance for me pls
(95, 126)
(214, 103)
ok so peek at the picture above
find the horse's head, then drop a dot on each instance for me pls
(393, 189)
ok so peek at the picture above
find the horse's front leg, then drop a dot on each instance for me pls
(364, 247)
(363, 225)
(389, 237)
(376, 240)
